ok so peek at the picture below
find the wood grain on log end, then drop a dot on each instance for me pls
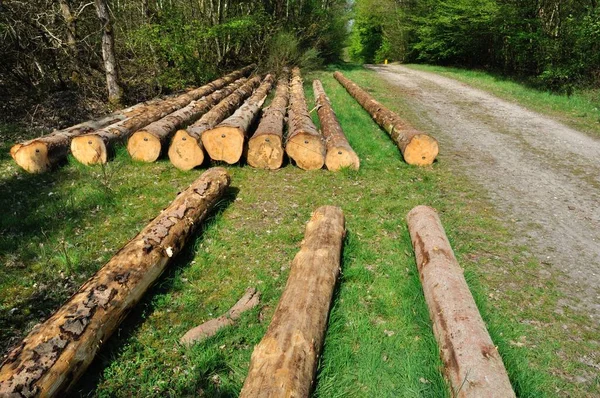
(340, 157)
(144, 146)
(421, 150)
(185, 151)
(307, 150)
(224, 143)
(266, 151)
(32, 157)
(89, 149)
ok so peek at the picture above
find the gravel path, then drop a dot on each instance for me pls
(543, 176)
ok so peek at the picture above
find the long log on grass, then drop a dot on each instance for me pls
(226, 140)
(265, 147)
(94, 148)
(472, 363)
(417, 147)
(56, 353)
(339, 152)
(186, 150)
(304, 142)
(147, 144)
(284, 363)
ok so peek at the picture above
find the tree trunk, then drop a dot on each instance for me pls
(115, 92)
(265, 148)
(71, 28)
(186, 150)
(226, 140)
(94, 148)
(339, 152)
(284, 363)
(210, 328)
(147, 144)
(56, 353)
(304, 142)
(472, 363)
(417, 147)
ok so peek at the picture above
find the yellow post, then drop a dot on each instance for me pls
(385, 62)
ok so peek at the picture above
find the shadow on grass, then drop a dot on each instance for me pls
(93, 376)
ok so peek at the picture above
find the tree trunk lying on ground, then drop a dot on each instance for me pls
(147, 144)
(284, 363)
(209, 328)
(55, 354)
(226, 140)
(417, 147)
(265, 148)
(472, 363)
(94, 148)
(186, 150)
(304, 143)
(339, 152)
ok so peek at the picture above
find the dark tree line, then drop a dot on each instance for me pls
(556, 42)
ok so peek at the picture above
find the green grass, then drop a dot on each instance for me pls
(61, 227)
(581, 110)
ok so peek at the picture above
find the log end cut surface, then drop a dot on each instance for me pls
(89, 149)
(340, 157)
(307, 150)
(421, 150)
(265, 152)
(144, 146)
(32, 157)
(185, 151)
(224, 143)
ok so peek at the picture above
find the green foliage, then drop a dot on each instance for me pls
(284, 50)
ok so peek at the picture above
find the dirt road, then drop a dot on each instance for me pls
(542, 176)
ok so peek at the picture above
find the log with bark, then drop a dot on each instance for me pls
(186, 150)
(56, 353)
(209, 328)
(417, 147)
(339, 152)
(265, 147)
(226, 140)
(147, 144)
(94, 148)
(283, 364)
(304, 143)
(472, 363)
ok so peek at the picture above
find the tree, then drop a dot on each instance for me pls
(115, 92)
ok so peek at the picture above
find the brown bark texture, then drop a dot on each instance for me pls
(304, 143)
(94, 148)
(265, 147)
(209, 328)
(56, 353)
(472, 363)
(417, 147)
(186, 150)
(284, 363)
(226, 140)
(147, 144)
(339, 152)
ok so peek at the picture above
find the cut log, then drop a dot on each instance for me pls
(209, 328)
(339, 152)
(94, 148)
(472, 363)
(147, 144)
(226, 141)
(304, 142)
(265, 148)
(417, 147)
(186, 150)
(284, 363)
(55, 354)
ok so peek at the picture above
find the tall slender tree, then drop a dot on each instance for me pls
(115, 92)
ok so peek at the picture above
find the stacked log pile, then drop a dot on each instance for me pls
(417, 147)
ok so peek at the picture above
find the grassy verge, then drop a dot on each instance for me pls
(581, 110)
(61, 227)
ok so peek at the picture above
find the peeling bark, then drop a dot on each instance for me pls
(226, 140)
(472, 363)
(339, 152)
(304, 142)
(265, 147)
(56, 353)
(417, 147)
(284, 363)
